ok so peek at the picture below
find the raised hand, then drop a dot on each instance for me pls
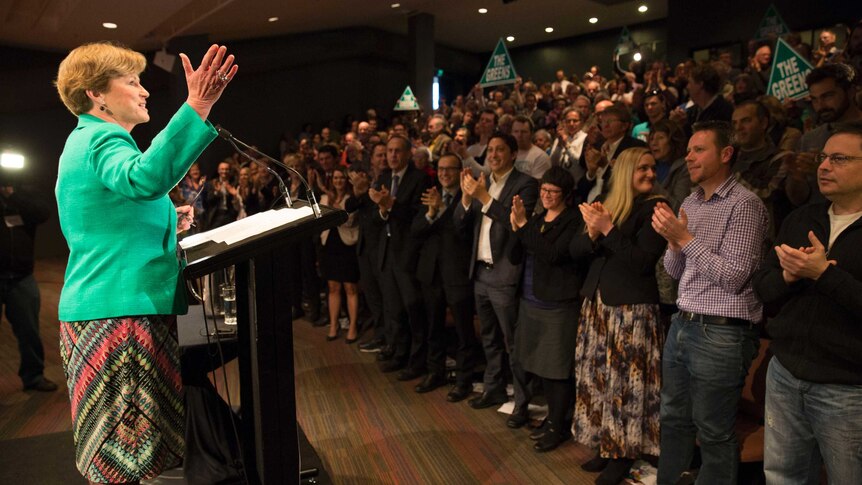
(802, 263)
(518, 215)
(668, 226)
(432, 200)
(208, 81)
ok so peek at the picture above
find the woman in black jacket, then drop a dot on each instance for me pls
(548, 313)
(618, 353)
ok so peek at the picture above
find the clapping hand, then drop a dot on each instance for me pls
(597, 218)
(431, 199)
(360, 182)
(668, 226)
(804, 262)
(474, 188)
(518, 215)
(382, 198)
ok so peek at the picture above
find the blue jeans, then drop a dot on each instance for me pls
(703, 372)
(20, 299)
(808, 425)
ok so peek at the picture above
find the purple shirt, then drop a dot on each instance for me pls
(715, 267)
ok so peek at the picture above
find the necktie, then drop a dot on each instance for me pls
(447, 199)
(394, 190)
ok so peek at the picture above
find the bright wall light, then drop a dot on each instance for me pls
(637, 57)
(11, 160)
(435, 93)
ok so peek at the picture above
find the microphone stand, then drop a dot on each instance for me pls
(309, 194)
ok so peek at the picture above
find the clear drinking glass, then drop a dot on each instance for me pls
(228, 296)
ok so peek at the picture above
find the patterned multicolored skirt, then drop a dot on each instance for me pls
(618, 372)
(124, 384)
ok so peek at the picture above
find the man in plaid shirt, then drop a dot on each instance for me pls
(714, 247)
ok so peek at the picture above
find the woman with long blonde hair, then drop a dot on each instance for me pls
(619, 341)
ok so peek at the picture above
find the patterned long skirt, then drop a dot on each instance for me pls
(124, 386)
(618, 371)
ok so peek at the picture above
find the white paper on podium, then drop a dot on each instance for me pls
(248, 227)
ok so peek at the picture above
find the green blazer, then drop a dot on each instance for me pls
(117, 218)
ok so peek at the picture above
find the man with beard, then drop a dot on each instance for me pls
(832, 92)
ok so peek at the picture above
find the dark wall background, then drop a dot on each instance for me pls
(575, 55)
(697, 24)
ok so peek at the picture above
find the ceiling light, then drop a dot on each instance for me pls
(109, 25)
(593, 20)
(272, 19)
(511, 38)
(483, 10)
(637, 57)
(549, 29)
(11, 160)
(395, 5)
(642, 8)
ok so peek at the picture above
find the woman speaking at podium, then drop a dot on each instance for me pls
(123, 288)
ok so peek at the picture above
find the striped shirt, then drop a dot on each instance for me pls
(715, 267)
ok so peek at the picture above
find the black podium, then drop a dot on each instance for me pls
(265, 339)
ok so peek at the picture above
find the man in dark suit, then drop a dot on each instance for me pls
(489, 203)
(616, 124)
(399, 199)
(367, 247)
(444, 263)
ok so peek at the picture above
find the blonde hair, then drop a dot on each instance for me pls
(621, 197)
(91, 67)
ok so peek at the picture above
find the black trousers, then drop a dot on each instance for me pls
(370, 283)
(459, 299)
(404, 315)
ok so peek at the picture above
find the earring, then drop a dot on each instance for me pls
(102, 108)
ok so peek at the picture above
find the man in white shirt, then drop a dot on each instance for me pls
(485, 206)
(530, 159)
(567, 148)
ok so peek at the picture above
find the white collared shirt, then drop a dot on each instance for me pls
(483, 252)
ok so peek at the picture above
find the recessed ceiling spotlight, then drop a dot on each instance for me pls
(511, 38)
(594, 20)
(637, 57)
(549, 29)
(272, 19)
(395, 5)
(109, 25)
(642, 8)
(483, 10)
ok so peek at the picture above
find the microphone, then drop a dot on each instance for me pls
(309, 194)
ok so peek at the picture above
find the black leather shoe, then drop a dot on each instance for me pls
(385, 354)
(432, 381)
(541, 430)
(42, 385)
(392, 365)
(486, 401)
(614, 472)
(409, 374)
(371, 346)
(459, 393)
(518, 418)
(596, 464)
(551, 440)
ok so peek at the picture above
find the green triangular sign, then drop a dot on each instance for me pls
(500, 69)
(625, 42)
(407, 102)
(772, 24)
(787, 78)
